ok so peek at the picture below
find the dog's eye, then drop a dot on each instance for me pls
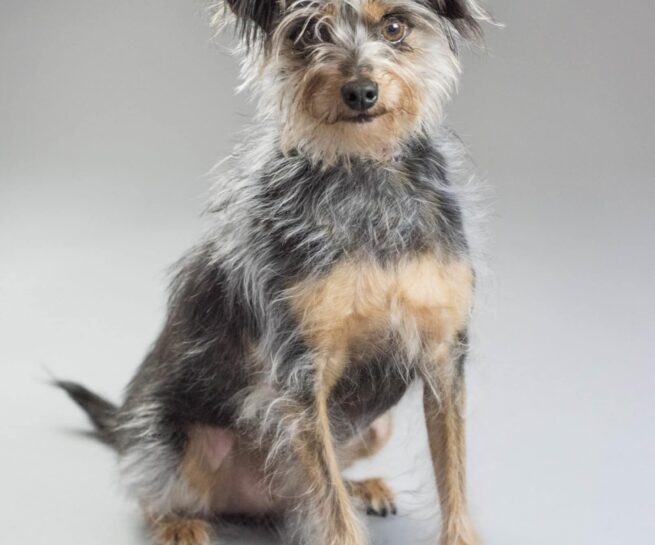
(394, 30)
(308, 34)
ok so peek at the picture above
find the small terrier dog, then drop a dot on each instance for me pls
(336, 271)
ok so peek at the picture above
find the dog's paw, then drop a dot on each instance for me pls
(180, 531)
(374, 495)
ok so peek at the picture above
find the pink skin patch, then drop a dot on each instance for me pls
(238, 473)
(219, 443)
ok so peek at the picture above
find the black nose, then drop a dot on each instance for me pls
(360, 95)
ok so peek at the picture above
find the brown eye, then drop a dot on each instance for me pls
(394, 30)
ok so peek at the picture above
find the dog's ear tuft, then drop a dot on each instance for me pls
(465, 16)
(255, 18)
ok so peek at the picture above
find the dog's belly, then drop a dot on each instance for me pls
(223, 469)
(226, 471)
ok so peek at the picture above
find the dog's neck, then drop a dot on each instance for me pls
(410, 149)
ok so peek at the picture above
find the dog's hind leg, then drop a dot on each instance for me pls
(177, 485)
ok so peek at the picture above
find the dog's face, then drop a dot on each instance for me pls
(353, 77)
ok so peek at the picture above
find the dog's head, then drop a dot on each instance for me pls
(353, 77)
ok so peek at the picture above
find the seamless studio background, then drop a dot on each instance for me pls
(111, 113)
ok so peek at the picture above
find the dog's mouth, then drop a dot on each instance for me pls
(362, 118)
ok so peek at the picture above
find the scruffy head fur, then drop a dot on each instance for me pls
(300, 54)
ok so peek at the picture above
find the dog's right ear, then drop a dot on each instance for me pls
(255, 18)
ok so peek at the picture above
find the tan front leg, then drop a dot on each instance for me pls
(326, 507)
(445, 424)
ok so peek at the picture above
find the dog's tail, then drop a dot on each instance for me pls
(101, 412)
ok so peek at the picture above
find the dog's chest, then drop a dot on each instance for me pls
(370, 324)
(358, 307)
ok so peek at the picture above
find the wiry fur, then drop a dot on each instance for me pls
(336, 270)
(301, 88)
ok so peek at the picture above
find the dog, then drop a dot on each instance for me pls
(335, 272)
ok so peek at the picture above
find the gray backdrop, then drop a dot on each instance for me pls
(111, 113)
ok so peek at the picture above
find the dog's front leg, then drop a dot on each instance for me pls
(443, 400)
(325, 514)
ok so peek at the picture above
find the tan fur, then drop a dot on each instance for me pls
(329, 8)
(172, 530)
(445, 424)
(195, 468)
(374, 495)
(422, 298)
(316, 118)
(327, 491)
(323, 117)
(427, 300)
(374, 10)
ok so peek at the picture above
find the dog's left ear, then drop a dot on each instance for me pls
(464, 15)
(255, 18)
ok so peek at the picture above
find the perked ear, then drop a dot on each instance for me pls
(255, 17)
(464, 15)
